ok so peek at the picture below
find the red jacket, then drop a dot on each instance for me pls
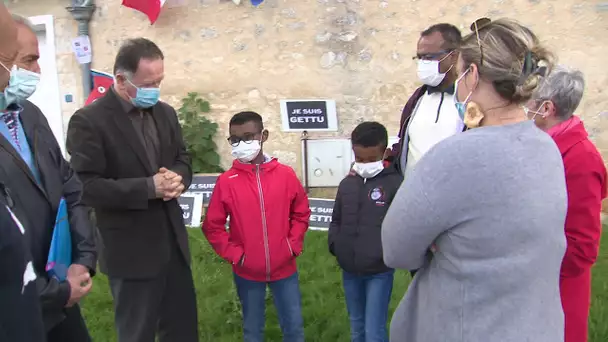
(269, 213)
(586, 185)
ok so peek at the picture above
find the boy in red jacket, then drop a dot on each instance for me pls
(269, 213)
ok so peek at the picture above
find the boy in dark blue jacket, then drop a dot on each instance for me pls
(354, 234)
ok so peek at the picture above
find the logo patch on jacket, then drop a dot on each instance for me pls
(377, 195)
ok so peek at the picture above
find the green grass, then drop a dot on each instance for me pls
(322, 297)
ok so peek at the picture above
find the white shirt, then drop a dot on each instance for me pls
(434, 119)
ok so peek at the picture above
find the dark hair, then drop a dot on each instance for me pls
(450, 33)
(134, 50)
(370, 134)
(244, 117)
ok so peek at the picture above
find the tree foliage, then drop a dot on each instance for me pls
(198, 132)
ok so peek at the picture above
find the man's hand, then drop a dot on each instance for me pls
(80, 285)
(174, 185)
(167, 184)
(161, 185)
(76, 270)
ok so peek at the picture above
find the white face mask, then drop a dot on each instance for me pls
(531, 114)
(246, 152)
(368, 170)
(428, 71)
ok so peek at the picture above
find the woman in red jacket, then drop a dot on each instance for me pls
(552, 109)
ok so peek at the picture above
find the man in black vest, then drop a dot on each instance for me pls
(33, 169)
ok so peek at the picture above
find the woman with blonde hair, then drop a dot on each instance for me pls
(482, 215)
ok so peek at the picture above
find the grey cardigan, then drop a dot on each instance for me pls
(493, 201)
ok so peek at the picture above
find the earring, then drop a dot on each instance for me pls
(473, 115)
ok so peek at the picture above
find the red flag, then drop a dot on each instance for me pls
(100, 86)
(151, 8)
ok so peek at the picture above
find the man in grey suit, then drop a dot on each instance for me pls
(127, 149)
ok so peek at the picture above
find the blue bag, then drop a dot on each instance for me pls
(60, 253)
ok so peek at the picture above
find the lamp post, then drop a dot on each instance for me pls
(82, 11)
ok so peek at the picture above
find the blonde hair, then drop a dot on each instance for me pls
(508, 55)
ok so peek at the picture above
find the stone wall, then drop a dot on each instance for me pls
(357, 52)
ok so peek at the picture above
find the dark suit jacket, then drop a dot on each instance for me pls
(20, 317)
(36, 205)
(138, 233)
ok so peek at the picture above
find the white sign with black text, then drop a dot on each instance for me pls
(309, 115)
(192, 208)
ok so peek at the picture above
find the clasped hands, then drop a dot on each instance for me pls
(168, 184)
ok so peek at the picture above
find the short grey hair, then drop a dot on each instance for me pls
(127, 74)
(19, 19)
(564, 87)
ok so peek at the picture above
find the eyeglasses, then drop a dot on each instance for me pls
(247, 138)
(433, 56)
(155, 84)
(475, 27)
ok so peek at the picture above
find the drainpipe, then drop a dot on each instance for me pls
(82, 11)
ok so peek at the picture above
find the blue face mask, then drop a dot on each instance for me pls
(461, 107)
(145, 97)
(21, 85)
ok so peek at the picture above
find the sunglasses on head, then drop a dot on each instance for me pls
(475, 27)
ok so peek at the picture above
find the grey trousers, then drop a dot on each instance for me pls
(165, 305)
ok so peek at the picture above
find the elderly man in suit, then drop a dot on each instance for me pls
(20, 317)
(128, 150)
(34, 171)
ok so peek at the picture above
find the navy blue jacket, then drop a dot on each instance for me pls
(354, 233)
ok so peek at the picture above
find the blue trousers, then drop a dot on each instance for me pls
(367, 301)
(287, 300)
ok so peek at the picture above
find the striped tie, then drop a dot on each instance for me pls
(11, 121)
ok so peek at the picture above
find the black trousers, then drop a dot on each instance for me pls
(165, 304)
(71, 329)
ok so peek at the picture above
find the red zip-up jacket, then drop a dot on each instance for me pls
(269, 213)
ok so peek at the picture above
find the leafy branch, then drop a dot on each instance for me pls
(198, 132)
